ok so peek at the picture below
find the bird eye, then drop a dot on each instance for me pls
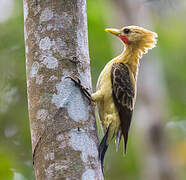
(126, 31)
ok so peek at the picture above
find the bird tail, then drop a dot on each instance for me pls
(103, 148)
(118, 139)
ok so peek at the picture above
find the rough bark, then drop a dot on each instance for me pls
(151, 111)
(62, 122)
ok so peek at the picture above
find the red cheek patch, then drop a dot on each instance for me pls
(124, 39)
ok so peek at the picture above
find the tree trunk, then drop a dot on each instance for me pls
(62, 122)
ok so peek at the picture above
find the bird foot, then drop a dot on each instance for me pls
(84, 90)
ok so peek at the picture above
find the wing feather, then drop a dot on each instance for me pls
(123, 96)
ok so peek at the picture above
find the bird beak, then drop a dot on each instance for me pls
(113, 31)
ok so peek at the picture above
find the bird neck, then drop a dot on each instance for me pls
(130, 56)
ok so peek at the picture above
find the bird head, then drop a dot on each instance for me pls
(135, 37)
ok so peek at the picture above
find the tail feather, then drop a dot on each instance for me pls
(118, 139)
(103, 148)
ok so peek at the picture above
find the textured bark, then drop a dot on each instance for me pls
(151, 111)
(62, 122)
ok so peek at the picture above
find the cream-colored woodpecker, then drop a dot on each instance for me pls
(115, 94)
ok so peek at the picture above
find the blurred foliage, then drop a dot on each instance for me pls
(15, 140)
(99, 46)
(172, 49)
(15, 143)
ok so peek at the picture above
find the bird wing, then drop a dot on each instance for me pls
(123, 96)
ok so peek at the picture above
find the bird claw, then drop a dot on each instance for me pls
(84, 90)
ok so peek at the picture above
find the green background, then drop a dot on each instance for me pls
(15, 141)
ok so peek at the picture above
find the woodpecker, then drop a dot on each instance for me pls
(115, 94)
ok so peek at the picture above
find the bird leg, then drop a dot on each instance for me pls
(97, 96)
(82, 88)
